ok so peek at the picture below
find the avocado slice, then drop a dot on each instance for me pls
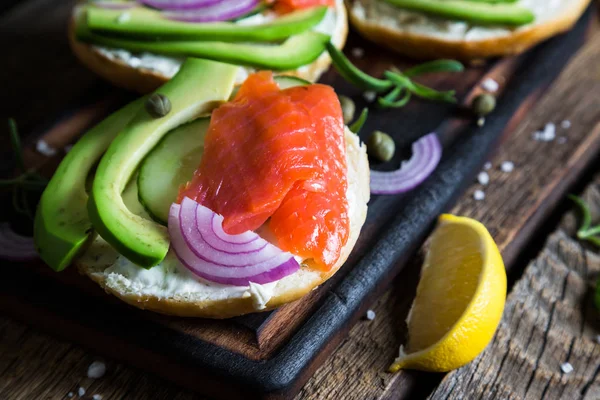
(197, 88)
(296, 51)
(62, 226)
(476, 12)
(146, 24)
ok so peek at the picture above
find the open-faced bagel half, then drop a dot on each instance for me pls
(111, 66)
(175, 291)
(424, 37)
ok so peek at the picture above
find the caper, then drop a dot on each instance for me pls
(483, 104)
(158, 105)
(348, 108)
(381, 146)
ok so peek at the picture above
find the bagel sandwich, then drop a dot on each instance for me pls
(178, 196)
(143, 71)
(462, 29)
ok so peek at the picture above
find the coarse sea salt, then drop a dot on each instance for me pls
(96, 370)
(483, 178)
(370, 315)
(490, 85)
(566, 124)
(81, 391)
(358, 52)
(479, 195)
(566, 367)
(44, 148)
(548, 134)
(507, 166)
(70, 394)
(487, 165)
(97, 397)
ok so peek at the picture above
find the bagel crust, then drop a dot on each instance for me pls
(99, 260)
(366, 18)
(143, 81)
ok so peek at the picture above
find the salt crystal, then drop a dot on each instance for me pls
(369, 95)
(566, 124)
(566, 367)
(490, 85)
(487, 165)
(81, 391)
(481, 122)
(70, 394)
(123, 17)
(370, 315)
(358, 52)
(96, 370)
(43, 148)
(479, 195)
(97, 397)
(507, 166)
(548, 134)
(483, 178)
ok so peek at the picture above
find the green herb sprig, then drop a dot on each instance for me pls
(360, 121)
(586, 231)
(27, 181)
(397, 88)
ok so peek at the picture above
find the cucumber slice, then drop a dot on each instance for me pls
(170, 164)
(173, 161)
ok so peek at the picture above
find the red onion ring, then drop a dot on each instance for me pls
(426, 155)
(15, 247)
(180, 4)
(223, 11)
(198, 240)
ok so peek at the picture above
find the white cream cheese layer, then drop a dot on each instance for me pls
(170, 279)
(168, 66)
(421, 24)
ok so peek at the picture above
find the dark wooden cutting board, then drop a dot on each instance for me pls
(266, 355)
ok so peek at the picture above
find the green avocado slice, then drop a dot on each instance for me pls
(296, 51)
(146, 24)
(197, 88)
(62, 226)
(472, 11)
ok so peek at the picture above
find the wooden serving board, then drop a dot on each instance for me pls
(268, 355)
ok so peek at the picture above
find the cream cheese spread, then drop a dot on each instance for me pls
(168, 66)
(421, 24)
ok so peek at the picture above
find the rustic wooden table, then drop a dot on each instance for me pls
(548, 319)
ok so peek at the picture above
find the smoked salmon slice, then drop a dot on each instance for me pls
(278, 157)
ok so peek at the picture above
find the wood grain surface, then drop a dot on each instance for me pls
(549, 320)
(34, 365)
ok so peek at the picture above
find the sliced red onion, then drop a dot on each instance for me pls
(202, 246)
(14, 246)
(426, 155)
(222, 11)
(179, 4)
(113, 5)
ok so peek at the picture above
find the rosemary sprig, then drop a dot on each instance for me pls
(397, 88)
(586, 231)
(360, 121)
(28, 181)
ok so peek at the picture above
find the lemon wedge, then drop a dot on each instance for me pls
(460, 298)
